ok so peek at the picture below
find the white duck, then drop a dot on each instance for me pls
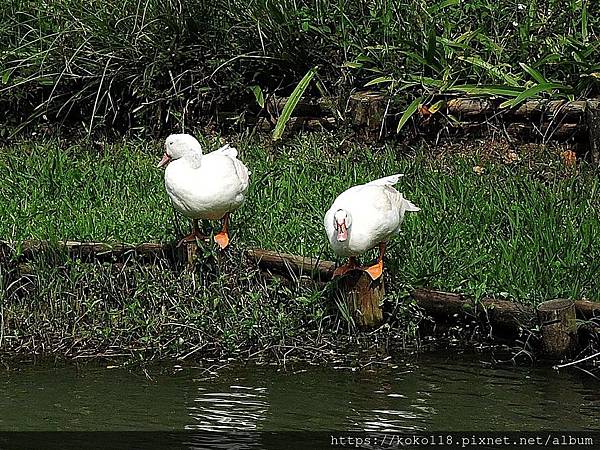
(363, 217)
(201, 186)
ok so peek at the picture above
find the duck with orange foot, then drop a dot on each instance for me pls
(364, 217)
(200, 186)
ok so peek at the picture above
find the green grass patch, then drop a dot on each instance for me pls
(523, 230)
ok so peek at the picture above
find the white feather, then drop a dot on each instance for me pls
(227, 150)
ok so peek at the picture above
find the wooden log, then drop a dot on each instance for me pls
(367, 112)
(306, 106)
(299, 123)
(506, 317)
(286, 264)
(470, 107)
(440, 305)
(593, 126)
(558, 327)
(587, 310)
(191, 249)
(560, 110)
(548, 109)
(31, 249)
(549, 131)
(363, 297)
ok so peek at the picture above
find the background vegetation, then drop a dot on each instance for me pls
(156, 64)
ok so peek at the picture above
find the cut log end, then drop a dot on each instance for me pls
(364, 297)
(558, 304)
(367, 110)
(593, 126)
(557, 319)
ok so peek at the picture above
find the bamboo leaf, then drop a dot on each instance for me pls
(494, 71)
(379, 80)
(409, 112)
(531, 92)
(442, 5)
(533, 73)
(507, 91)
(258, 95)
(291, 103)
(431, 45)
(353, 65)
(584, 21)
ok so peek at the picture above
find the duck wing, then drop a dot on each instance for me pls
(240, 168)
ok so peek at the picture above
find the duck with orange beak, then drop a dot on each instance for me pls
(364, 217)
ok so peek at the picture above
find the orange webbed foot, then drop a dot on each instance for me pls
(222, 239)
(375, 271)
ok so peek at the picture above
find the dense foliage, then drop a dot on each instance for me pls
(157, 64)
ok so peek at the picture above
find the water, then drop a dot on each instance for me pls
(430, 392)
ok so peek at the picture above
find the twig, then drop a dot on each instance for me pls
(572, 363)
(587, 372)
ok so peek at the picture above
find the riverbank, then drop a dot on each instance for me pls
(497, 220)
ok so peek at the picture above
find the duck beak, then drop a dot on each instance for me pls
(166, 159)
(342, 232)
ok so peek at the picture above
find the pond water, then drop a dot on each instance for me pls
(429, 392)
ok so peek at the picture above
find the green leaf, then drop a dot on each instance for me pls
(531, 92)
(428, 81)
(353, 65)
(291, 103)
(258, 95)
(409, 112)
(380, 80)
(474, 89)
(431, 45)
(442, 5)
(537, 76)
(437, 106)
(494, 71)
(584, 21)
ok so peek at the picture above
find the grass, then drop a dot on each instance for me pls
(63, 307)
(523, 229)
(158, 65)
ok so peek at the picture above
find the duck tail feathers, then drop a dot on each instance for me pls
(386, 181)
(228, 150)
(407, 205)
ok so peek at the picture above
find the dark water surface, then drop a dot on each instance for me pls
(430, 392)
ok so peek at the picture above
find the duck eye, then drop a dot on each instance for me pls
(171, 143)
